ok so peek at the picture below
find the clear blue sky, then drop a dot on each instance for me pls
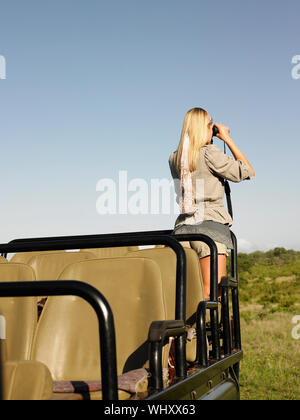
(94, 87)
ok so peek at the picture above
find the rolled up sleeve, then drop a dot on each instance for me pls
(225, 166)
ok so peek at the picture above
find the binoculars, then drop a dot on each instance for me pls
(215, 131)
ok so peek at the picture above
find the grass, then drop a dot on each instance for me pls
(269, 299)
(270, 369)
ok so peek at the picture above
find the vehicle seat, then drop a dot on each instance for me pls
(166, 259)
(70, 348)
(49, 266)
(110, 252)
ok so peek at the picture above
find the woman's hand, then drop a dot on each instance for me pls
(237, 153)
(223, 133)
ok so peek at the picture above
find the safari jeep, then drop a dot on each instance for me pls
(97, 317)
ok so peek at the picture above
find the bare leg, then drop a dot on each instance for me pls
(205, 269)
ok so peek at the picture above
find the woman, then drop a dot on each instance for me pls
(201, 168)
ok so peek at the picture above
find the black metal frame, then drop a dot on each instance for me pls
(193, 387)
(158, 332)
(231, 283)
(202, 355)
(103, 312)
(160, 237)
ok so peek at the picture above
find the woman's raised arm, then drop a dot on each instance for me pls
(237, 153)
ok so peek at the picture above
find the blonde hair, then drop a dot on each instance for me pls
(195, 124)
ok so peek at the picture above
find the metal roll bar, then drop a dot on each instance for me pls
(103, 312)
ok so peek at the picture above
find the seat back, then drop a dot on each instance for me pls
(67, 339)
(49, 266)
(3, 260)
(24, 257)
(118, 251)
(18, 315)
(166, 259)
(25, 380)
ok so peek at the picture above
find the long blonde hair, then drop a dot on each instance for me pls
(195, 125)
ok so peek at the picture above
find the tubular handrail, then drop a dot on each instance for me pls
(112, 238)
(235, 302)
(103, 312)
(109, 240)
(98, 236)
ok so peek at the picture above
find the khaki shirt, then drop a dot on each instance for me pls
(213, 166)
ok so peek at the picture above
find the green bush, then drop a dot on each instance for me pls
(270, 280)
